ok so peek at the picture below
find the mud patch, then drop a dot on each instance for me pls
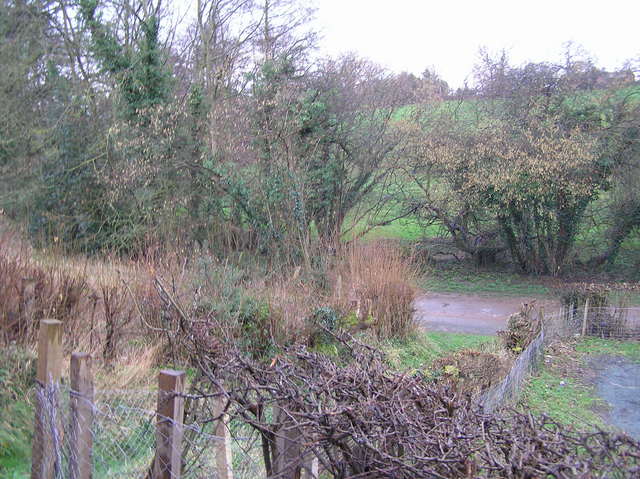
(617, 381)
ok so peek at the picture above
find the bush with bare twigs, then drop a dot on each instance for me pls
(98, 303)
(522, 328)
(470, 371)
(361, 419)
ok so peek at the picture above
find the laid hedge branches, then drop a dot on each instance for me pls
(362, 419)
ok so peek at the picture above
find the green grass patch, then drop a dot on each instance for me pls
(15, 468)
(563, 399)
(421, 349)
(596, 346)
(558, 391)
(464, 278)
(407, 229)
(17, 375)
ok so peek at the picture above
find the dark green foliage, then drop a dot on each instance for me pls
(140, 74)
(254, 319)
(321, 324)
(28, 60)
(69, 205)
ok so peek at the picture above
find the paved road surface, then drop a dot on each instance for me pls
(467, 313)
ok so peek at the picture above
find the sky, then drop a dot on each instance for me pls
(411, 35)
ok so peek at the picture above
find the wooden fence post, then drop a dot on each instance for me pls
(310, 468)
(585, 317)
(169, 426)
(46, 438)
(287, 463)
(81, 427)
(224, 457)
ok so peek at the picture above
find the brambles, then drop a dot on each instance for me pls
(522, 328)
(470, 372)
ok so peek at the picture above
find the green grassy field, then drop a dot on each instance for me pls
(405, 229)
(463, 278)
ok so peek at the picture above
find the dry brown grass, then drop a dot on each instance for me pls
(291, 301)
(99, 302)
(118, 308)
(377, 282)
(371, 283)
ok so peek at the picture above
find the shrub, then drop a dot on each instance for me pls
(95, 300)
(376, 281)
(470, 371)
(522, 328)
(321, 323)
(29, 293)
(254, 318)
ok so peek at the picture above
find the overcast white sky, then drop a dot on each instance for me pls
(413, 34)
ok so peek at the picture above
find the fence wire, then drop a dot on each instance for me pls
(124, 436)
(607, 322)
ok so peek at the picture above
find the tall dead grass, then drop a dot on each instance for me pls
(292, 301)
(371, 286)
(107, 304)
(99, 302)
(376, 281)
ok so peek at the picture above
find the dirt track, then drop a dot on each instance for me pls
(466, 313)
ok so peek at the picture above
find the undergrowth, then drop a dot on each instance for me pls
(419, 350)
(17, 374)
(127, 313)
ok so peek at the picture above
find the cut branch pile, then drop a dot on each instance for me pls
(363, 420)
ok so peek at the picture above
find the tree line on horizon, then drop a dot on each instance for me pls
(119, 133)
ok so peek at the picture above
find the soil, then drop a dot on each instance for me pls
(470, 314)
(617, 381)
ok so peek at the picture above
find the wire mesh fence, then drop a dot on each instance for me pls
(128, 433)
(124, 437)
(507, 390)
(607, 322)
